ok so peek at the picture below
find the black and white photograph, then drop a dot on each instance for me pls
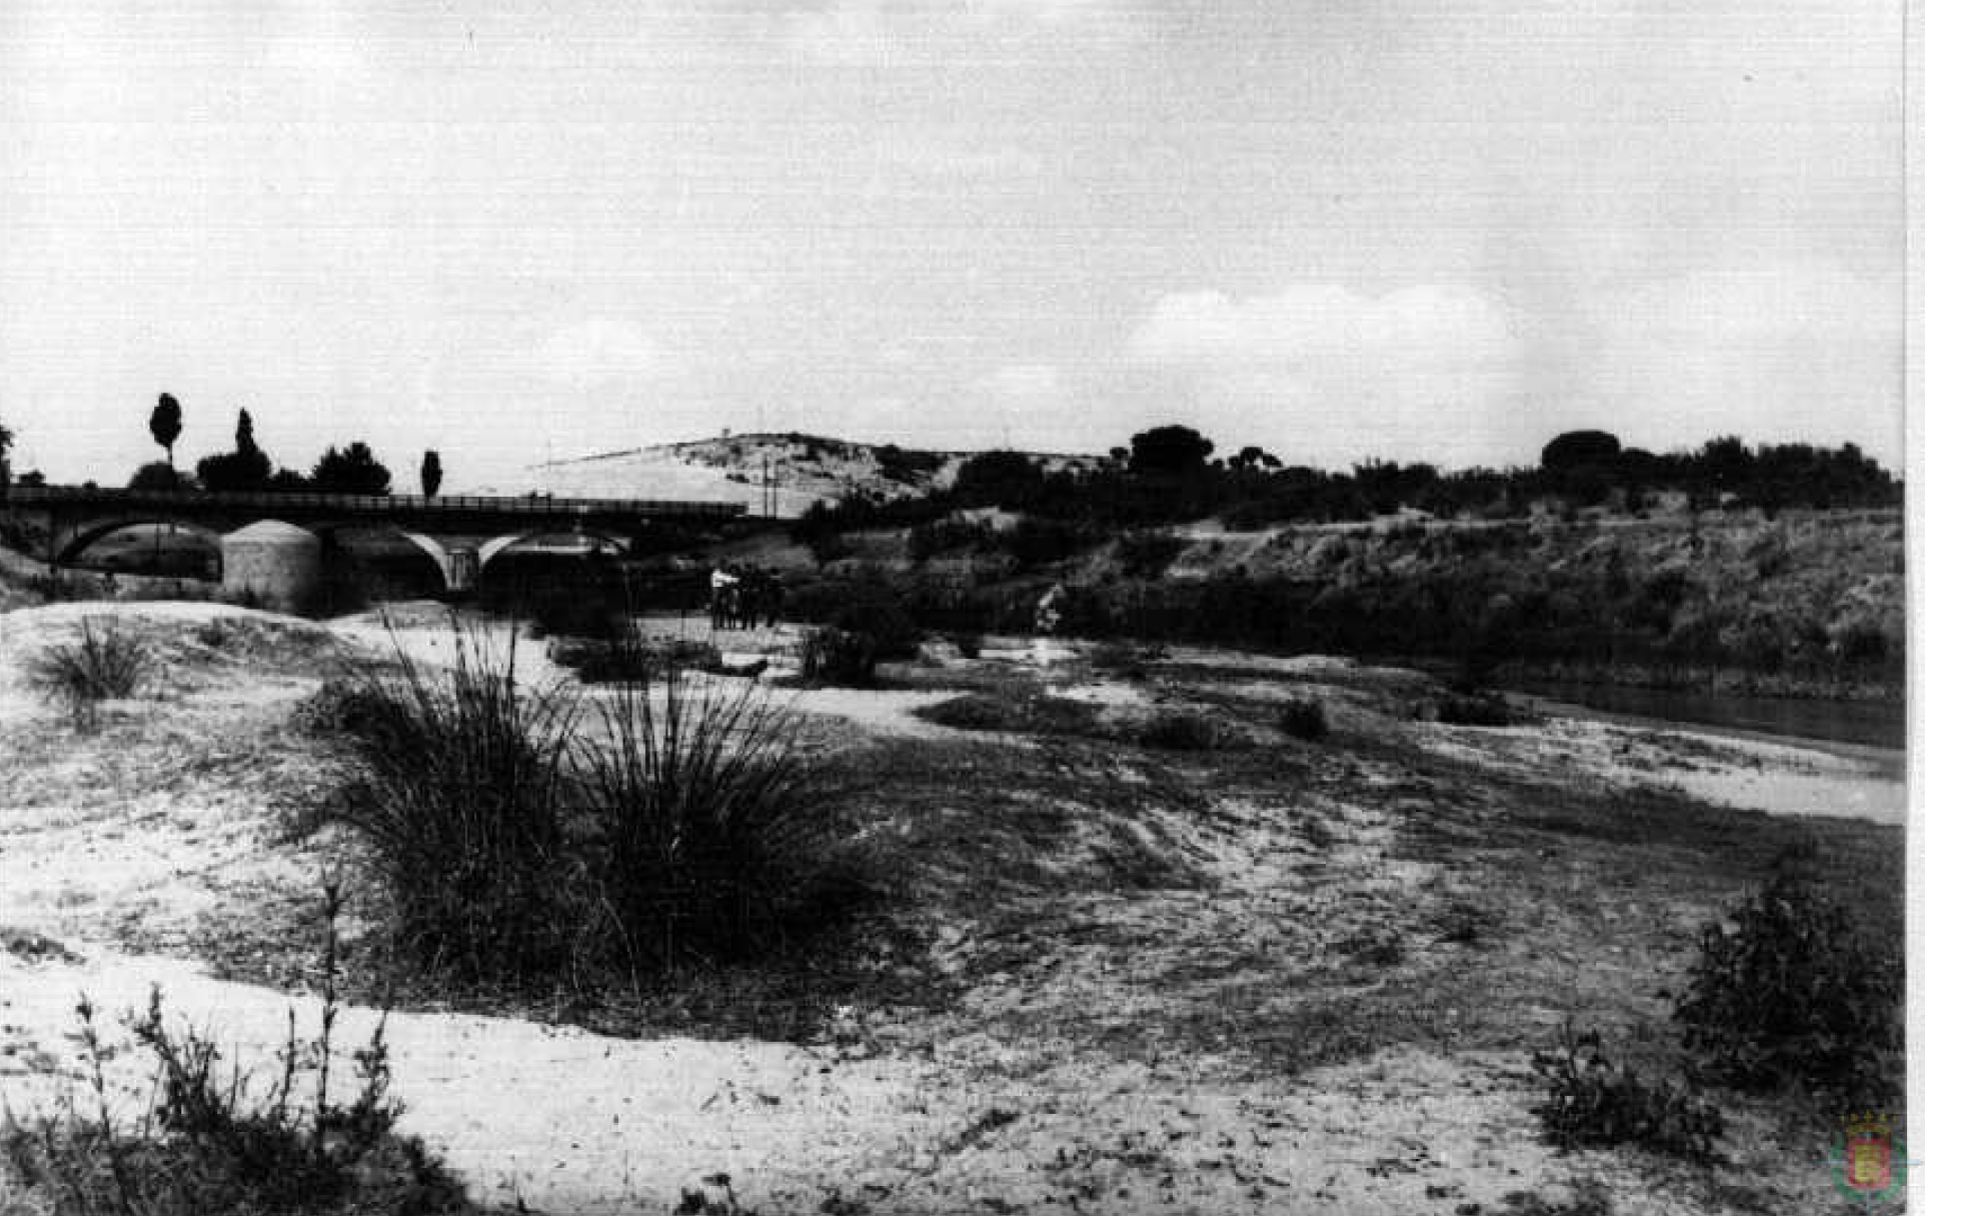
(946, 607)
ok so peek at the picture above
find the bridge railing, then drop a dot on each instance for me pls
(377, 504)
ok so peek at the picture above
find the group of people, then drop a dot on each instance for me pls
(741, 598)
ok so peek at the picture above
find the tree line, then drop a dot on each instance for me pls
(348, 469)
(1171, 474)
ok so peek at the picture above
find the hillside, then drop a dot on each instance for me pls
(1805, 602)
(807, 468)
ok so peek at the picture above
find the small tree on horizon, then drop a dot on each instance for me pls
(166, 424)
(1175, 450)
(432, 473)
(351, 470)
(6, 446)
(246, 467)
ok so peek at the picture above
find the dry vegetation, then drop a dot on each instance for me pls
(1189, 931)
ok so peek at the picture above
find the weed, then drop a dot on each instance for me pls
(1790, 991)
(105, 663)
(1591, 1102)
(209, 1144)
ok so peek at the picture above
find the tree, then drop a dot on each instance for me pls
(1580, 450)
(166, 424)
(6, 446)
(351, 470)
(432, 474)
(157, 476)
(1169, 450)
(1001, 478)
(246, 467)
(1253, 458)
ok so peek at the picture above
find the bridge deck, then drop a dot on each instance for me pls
(383, 506)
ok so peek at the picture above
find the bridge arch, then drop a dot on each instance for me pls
(499, 544)
(454, 575)
(67, 545)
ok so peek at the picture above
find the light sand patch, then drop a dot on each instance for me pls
(1786, 778)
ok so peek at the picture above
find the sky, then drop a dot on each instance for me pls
(1435, 230)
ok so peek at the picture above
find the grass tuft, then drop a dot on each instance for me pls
(104, 663)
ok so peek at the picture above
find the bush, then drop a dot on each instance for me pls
(461, 810)
(1790, 992)
(838, 656)
(1038, 714)
(1592, 1103)
(1186, 731)
(1304, 718)
(210, 1145)
(1146, 554)
(1478, 709)
(858, 606)
(717, 839)
(945, 535)
(104, 664)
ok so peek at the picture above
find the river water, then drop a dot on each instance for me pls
(1871, 723)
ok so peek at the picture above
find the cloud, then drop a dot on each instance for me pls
(597, 352)
(1321, 371)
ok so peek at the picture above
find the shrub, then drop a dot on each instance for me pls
(1304, 718)
(105, 663)
(1035, 541)
(1590, 1102)
(717, 839)
(1146, 554)
(858, 606)
(1182, 730)
(461, 810)
(1038, 714)
(1789, 991)
(945, 535)
(837, 656)
(209, 1144)
(1478, 709)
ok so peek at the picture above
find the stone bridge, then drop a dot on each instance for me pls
(461, 534)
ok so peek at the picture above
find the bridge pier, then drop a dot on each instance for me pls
(272, 563)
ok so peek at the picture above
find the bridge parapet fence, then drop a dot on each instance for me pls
(542, 507)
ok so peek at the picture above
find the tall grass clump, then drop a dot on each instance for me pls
(1789, 992)
(104, 663)
(462, 808)
(717, 839)
(212, 1141)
